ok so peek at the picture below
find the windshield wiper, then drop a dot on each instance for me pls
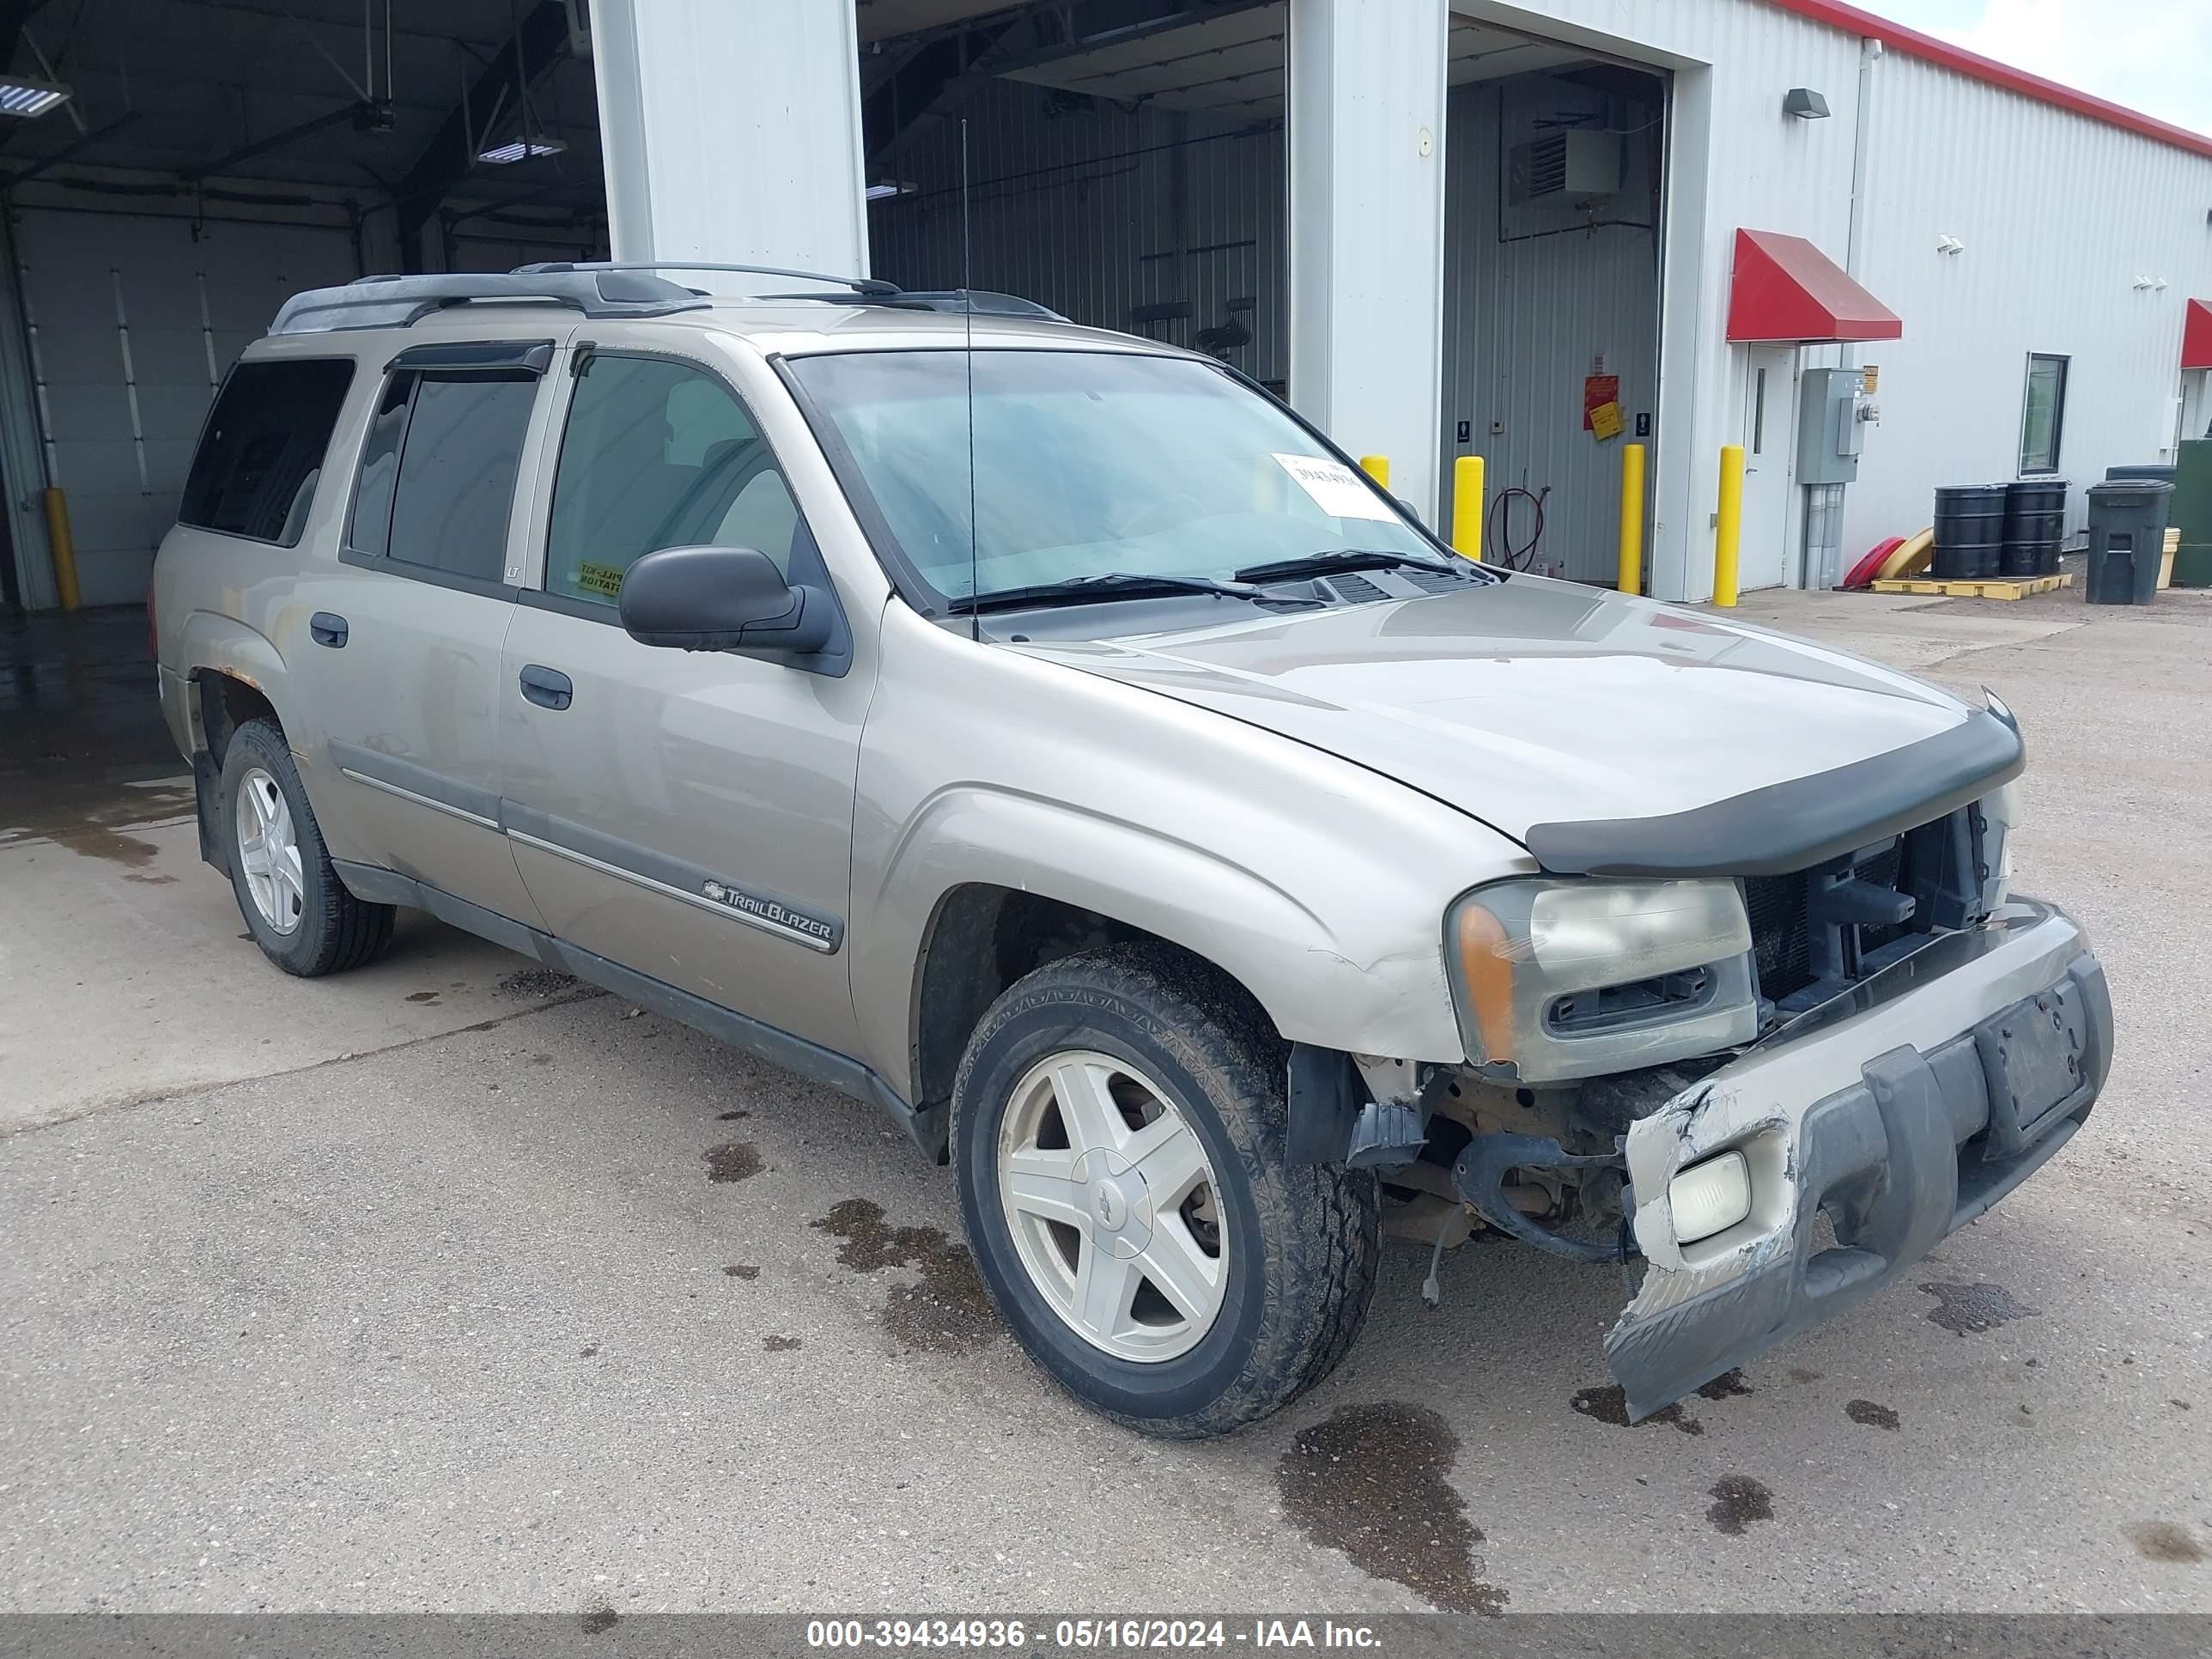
(1325, 565)
(1113, 585)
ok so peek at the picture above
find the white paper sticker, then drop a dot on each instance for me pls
(1334, 489)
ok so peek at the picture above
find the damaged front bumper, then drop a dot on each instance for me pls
(1903, 1109)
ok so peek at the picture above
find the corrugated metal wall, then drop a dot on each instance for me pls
(124, 405)
(1099, 212)
(1535, 299)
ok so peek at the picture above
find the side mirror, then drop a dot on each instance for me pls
(721, 598)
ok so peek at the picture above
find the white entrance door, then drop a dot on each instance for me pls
(1770, 417)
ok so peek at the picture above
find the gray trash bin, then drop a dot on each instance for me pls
(2127, 534)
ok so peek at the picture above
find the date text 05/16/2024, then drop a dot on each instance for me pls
(1087, 1635)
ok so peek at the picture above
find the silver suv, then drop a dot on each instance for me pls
(1048, 737)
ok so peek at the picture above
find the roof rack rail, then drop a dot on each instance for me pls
(397, 301)
(871, 286)
(982, 301)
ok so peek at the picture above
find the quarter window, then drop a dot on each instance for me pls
(2043, 418)
(659, 454)
(261, 453)
(438, 471)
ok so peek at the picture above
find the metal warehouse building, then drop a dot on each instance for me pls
(1441, 229)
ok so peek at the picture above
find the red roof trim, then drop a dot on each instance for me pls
(2196, 335)
(1783, 288)
(1929, 49)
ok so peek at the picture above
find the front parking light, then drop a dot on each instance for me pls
(1711, 1197)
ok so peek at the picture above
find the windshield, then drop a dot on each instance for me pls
(1088, 464)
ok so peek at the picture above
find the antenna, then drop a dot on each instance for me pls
(968, 314)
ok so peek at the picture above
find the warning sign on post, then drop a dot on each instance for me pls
(1605, 420)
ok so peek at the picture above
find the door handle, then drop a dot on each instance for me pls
(548, 688)
(327, 628)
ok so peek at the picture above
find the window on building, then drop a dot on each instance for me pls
(658, 454)
(262, 451)
(438, 472)
(2044, 416)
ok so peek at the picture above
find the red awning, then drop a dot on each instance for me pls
(2196, 335)
(1786, 289)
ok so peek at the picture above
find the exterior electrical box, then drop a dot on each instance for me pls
(1832, 416)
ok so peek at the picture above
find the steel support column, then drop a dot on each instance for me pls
(732, 133)
(1366, 143)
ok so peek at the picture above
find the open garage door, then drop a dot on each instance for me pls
(1125, 162)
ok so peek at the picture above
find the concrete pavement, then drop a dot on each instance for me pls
(435, 1286)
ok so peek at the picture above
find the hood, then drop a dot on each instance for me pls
(1529, 702)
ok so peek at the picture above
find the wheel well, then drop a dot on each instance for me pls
(982, 938)
(227, 702)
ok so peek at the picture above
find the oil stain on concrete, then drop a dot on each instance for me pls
(1739, 1500)
(781, 1344)
(742, 1270)
(733, 1160)
(2163, 1541)
(1729, 1385)
(597, 1618)
(949, 1311)
(1871, 1413)
(1371, 1483)
(1609, 1404)
(1972, 1308)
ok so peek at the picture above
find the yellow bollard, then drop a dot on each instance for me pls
(1376, 467)
(1727, 525)
(1631, 579)
(1466, 506)
(62, 548)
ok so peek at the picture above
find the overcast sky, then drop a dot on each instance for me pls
(2151, 55)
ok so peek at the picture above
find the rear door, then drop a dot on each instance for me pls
(686, 814)
(404, 666)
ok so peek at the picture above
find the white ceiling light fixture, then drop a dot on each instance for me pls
(522, 149)
(883, 190)
(26, 97)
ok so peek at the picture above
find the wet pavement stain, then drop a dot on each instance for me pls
(592, 1352)
(1962, 1309)
(1371, 1483)
(733, 1160)
(597, 1618)
(422, 996)
(781, 1344)
(949, 1311)
(742, 1270)
(1739, 1500)
(1800, 1374)
(2179, 1405)
(1729, 1385)
(1873, 1415)
(732, 1116)
(536, 983)
(1609, 1404)
(152, 881)
(2162, 1540)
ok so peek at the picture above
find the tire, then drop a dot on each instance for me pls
(1297, 1248)
(305, 920)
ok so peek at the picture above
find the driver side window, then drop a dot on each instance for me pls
(658, 454)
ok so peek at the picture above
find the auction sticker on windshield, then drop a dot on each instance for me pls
(1335, 488)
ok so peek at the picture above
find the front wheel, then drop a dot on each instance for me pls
(1118, 1128)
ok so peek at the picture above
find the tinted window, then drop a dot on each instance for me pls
(2044, 414)
(262, 453)
(658, 454)
(438, 471)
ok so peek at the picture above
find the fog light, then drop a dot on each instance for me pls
(1711, 1197)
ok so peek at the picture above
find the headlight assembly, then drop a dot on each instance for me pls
(1564, 979)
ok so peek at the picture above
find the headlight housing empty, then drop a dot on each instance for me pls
(1563, 979)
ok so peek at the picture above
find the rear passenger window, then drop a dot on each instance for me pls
(438, 471)
(261, 454)
(659, 454)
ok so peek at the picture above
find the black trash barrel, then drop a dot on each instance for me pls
(1969, 531)
(2127, 535)
(2035, 526)
(2162, 472)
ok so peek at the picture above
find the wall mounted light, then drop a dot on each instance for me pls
(1805, 104)
(885, 189)
(1949, 245)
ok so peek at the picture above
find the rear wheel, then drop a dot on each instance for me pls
(1118, 1134)
(297, 909)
